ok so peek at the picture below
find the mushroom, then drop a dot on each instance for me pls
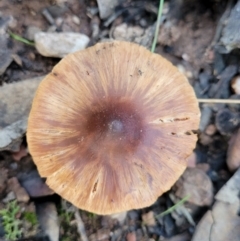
(111, 127)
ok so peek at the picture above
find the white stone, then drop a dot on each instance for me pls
(106, 7)
(60, 44)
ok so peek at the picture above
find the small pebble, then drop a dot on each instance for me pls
(183, 70)
(206, 114)
(106, 7)
(169, 225)
(149, 218)
(31, 31)
(10, 197)
(233, 153)
(14, 166)
(131, 237)
(19, 191)
(211, 130)
(227, 121)
(197, 184)
(203, 166)
(59, 44)
(133, 214)
(120, 217)
(235, 84)
(17, 156)
(103, 234)
(204, 139)
(76, 19)
(59, 21)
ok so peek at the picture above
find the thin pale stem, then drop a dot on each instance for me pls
(157, 26)
(224, 101)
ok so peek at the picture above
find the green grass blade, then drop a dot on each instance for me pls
(171, 209)
(21, 39)
(160, 9)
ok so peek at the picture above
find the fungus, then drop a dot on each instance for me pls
(111, 127)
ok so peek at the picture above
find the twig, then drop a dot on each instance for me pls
(80, 225)
(224, 101)
(157, 25)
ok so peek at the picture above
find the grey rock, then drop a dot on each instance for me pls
(169, 225)
(120, 217)
(227, 121)
(195, 183)
(60, 44)
(136, 34)
(133, 215)
(16, 100)
(11, 136)
(57, 10)
(5, 54)
(10, 197)
(231, 34)
(221, 88)
(229, 193)
(6, 22)
(206, 114)
(222, 221)
(34, 184)
(106, 7)
(31, 31)
(48, 219)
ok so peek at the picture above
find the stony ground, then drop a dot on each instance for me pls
(201, 38)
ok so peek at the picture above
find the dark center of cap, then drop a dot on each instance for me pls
(116, 126)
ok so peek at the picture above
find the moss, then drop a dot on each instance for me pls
(31, 218)
(10, 221)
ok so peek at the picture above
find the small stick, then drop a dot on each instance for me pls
(80, 225)
(224, 101)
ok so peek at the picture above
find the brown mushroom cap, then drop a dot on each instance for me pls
(111, 127)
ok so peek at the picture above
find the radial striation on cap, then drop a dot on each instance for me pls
(111, 127)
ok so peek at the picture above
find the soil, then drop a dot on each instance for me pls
(189, 38)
